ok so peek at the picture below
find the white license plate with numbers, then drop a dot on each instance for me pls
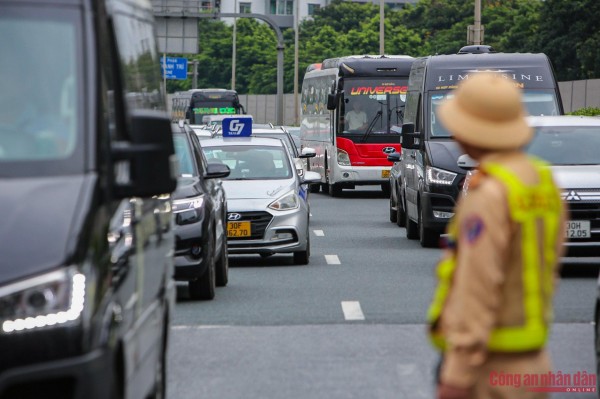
(578, 229)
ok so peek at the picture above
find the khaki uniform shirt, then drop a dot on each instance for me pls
(486, 288)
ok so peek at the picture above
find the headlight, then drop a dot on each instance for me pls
(439, 176)
(52, 299)
(287, 202)
(188, 210)
(188, 203)
(343, 158)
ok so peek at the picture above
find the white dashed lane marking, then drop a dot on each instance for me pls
(352, 310)
(319, 233)
(332, 260)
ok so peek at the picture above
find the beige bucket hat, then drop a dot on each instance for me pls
(486, 111)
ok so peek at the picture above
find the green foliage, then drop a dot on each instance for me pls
(588, 111)
(566, 30)
(568, 34)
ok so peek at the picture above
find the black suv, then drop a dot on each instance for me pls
(200, 211)
(86, 238)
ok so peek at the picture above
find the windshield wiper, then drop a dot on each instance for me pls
(371, 125)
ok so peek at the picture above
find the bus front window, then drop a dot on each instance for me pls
(371, 106)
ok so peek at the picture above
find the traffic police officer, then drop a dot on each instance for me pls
(492, 309)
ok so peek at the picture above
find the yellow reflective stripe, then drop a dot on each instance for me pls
(445, 271)
(533, 334)
(526, 205)
(518, 339)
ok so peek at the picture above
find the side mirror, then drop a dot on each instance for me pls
(146, 165)
(332, 100)
(410, 139)
(466, 162)
(308, 152)
(311, 177)
(216, 171)
(394, 157)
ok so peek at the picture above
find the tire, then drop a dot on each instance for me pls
(393, 212)
(204, 287)
(412, 229)
(400, 213)
(385, 188)
(314, 188)
(302, 257)
(335, 190)
(222, 266)
(427, 237)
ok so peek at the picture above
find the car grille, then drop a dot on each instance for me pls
(584, 205)
(258, 224)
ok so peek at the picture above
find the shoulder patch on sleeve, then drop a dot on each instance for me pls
(472, 227)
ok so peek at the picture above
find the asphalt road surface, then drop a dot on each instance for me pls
(348, 325)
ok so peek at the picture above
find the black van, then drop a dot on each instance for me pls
(86, 170)
(431, 179)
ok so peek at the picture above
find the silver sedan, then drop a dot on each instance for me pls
(268, 209)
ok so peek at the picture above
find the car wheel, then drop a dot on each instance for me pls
(222, 266)
(401, 213)
(393, 212)
(412, 229)
(335, 190)
(204, 286)
(385, 188)
(301, 257)
(314, 188)
(427, 237)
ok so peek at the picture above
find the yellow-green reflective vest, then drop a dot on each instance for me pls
(527, 204)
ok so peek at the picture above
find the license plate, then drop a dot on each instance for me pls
(578, 229)
(238, 229)
(385, 173)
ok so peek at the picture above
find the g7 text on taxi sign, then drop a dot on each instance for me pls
(237, 127)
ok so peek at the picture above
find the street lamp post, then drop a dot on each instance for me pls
(296, 28)
(381, 27)
(234, 47)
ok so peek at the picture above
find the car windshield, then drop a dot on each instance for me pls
(567, 145)
(537, 102)
(184, 155)
(251, 162)
(40, 100)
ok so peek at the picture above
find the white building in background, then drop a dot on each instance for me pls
(281, 11)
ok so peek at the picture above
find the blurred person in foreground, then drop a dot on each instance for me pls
(492, 309)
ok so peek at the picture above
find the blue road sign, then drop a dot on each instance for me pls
(237, 126)
(176, 68)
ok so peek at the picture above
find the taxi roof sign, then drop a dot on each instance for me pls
(240, 126)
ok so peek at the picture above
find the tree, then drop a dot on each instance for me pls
(568, 34)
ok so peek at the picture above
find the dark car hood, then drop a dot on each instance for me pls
(444, 155)
(41, 219)
(187, 187)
